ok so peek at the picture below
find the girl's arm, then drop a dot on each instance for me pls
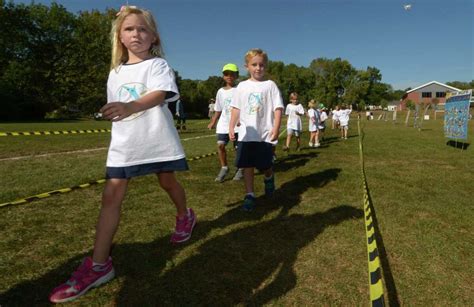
(116, 111)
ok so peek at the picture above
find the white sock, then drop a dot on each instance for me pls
(267, 178)
(99, 264)
(251, 194)
(225, 167)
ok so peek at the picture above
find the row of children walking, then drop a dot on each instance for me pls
(145, 141)
(317, 117)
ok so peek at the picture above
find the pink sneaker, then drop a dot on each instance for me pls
(84, 278)
(184, 227)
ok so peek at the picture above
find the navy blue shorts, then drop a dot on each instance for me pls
(254, 154)
(223, 138)
(145, 169)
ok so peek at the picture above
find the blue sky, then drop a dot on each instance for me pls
(432, 41)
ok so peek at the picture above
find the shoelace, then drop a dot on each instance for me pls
(181, 224)
(77, 276)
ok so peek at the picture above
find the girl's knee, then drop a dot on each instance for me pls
(167, 181)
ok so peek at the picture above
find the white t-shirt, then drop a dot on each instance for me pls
(313, 126)
(344, 117)
(335, 115)
(257, 101)
(223, 100)
(294, 119)
(148, 136)
(322, 118)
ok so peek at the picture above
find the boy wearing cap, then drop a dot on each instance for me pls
(222, 117)
(323, 115)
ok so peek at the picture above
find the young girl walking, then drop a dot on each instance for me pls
(313, 124)
(294, 111)
(144, 141)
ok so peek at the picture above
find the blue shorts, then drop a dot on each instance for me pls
(145, 169)
(294, 132)
(223, 138)
(254, 154)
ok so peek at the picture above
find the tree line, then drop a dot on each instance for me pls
(55, 64)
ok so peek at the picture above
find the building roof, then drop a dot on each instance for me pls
(434, 82)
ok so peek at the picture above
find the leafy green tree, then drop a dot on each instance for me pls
(333, 79)
(461, 85)
(88, 62)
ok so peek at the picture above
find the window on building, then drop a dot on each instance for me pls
(426, 94)
(440, 94)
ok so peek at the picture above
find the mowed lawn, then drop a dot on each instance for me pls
(305, 246)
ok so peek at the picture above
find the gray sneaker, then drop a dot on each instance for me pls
(239, 174)
(222, 173)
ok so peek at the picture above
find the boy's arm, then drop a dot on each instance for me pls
(117, 111)
(276, 123)
(214, 119)
(234, 116)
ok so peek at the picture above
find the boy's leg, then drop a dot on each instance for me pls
(248, 179)
(223, 162)
(249, 199)
(298, 142)
(109, 217)
(288, 140)
(222, 154)
(269, 181)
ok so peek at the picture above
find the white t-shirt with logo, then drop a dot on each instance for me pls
(313, 126)
(294, 119)
(257, 101)
(223, 100)
(148, 136)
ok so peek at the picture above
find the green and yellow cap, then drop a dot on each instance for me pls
(230, 67)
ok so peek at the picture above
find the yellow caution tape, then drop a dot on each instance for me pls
(375, 271)
(80, 186)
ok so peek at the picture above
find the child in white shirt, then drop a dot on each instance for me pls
(294, 111)
(344, 115)
(313, 124)
(222, 110)
(258, 105)
(144, 141)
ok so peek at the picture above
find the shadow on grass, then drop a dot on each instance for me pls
(459, 145)
(249, 265)
(291, 161)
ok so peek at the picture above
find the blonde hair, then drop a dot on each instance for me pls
(294, 95)
(119, 52)
(254, 52)
(311, 103)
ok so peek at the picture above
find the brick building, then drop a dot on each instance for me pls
(431, 92)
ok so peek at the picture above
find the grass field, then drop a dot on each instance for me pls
(305, 246)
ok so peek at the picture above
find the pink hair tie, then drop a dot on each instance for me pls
(124, 7)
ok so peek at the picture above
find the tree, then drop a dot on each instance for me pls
(461, 85)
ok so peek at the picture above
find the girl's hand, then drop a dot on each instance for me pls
(116, 111)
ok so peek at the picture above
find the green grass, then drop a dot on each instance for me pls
(306, 246)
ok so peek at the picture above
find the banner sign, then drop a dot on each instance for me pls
(456, 115)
